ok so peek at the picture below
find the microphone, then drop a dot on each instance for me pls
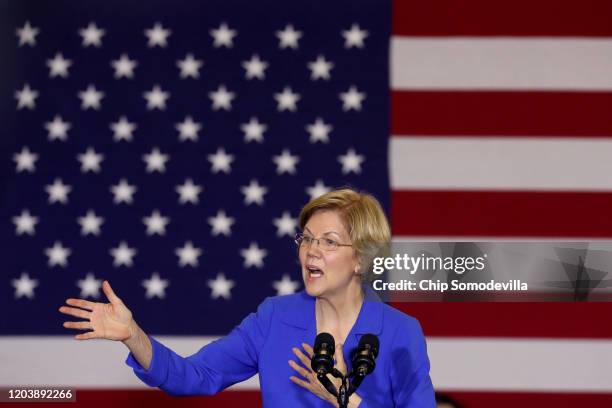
(364, 359)
(323, 358)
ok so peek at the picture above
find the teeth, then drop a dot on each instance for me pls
(315, 273)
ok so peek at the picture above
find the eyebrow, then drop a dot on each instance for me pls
(326, 233)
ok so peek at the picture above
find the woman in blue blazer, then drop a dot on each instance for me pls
(341, 232)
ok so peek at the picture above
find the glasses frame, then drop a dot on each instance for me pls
(300, 237)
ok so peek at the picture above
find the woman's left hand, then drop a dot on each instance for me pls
(311, 382)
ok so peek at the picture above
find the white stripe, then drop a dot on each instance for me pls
(521, 365)
(62, 360)
(457, 363)
(501, 163)
(501, 63)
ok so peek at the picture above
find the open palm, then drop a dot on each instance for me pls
(111, 321)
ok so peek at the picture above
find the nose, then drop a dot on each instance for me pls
(313, 249)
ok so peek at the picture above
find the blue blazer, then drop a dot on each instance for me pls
(262, 344)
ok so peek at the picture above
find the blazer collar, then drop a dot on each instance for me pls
(300, 313)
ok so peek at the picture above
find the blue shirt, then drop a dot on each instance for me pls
(262, 344)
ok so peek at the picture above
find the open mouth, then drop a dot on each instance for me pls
(314, 272)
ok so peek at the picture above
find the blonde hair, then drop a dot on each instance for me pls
(363, 218)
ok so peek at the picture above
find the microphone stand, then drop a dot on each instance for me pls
(346, 388)
(329, 386)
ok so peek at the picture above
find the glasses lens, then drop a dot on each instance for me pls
(329, 244)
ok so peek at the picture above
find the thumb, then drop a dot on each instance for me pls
(110, 294)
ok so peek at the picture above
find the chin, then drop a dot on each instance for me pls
(312, 292)
(313, 288)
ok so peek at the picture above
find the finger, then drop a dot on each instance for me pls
(110, 294)
(78, 325)
(84, 304)
(305, 360)
(86, 336)
(301, 370)
(72, 311)
(308, 349)
(301, 382)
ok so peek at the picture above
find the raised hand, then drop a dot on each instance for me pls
(310, 380)
(111, 321)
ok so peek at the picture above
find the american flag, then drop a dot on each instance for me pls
(168, 148)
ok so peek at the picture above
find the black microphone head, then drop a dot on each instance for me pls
(325, 339)
(364, 357)
(369, 341)
(322, 361)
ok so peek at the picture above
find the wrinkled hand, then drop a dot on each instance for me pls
(111, 321)
(310, 381)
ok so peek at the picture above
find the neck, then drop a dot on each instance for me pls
(340, 309)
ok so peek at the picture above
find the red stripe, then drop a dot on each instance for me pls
(516, 320)
(156, 398)
(509, 18)
(530, 400)
(501, 213)
(152, 399)
(501, 113)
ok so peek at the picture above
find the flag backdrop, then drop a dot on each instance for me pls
(169, 149)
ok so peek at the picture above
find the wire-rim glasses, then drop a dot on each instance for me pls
(326, 244)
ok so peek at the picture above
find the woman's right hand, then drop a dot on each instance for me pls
(111, 321)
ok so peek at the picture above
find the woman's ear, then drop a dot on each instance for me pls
(357, 268)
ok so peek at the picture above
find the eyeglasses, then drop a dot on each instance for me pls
(326, 244)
